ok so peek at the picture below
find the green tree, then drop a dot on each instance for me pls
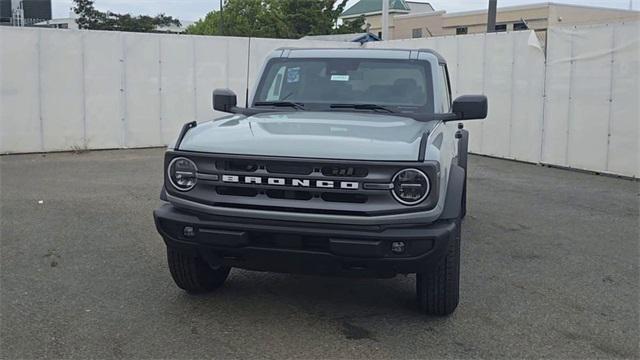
(92, 19)
(276, 19)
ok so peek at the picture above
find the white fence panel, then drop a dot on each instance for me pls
(624, 122)
(527, 105)
(20, 127)
(591, 106)
(177, 85)
(103, 90)
(557, 91)
(498, 86)
(142, 90)
(62, 83)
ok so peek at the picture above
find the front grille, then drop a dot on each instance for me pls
(237, 165)
(253, 180)
(348, 171)
(236, 191)
(289, 194)
(300, 185)
(290, 169)
(345, 198)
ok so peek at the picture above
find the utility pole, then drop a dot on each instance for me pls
(385, 20)
(221, 30)
(491, 16)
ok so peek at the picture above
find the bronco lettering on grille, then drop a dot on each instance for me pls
(278, 181)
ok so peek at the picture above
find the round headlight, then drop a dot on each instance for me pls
(410, 186)
(182, 173)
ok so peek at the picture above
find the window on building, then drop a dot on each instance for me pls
(520, 26)
(416, 33)
(380, 35)
(501, 27)
(462, 30)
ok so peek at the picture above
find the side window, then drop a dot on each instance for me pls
(276, 85)
(446, 90)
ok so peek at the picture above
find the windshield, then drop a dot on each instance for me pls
(391, 85)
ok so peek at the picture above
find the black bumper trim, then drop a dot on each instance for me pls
(302, 247)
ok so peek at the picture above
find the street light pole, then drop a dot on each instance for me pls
(385, 20)
(491, 16)
(221, 24)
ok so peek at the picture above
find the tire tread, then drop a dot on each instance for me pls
(438, 291)
(193, 274)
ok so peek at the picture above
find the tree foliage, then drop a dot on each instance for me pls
(276, 19)
(91, 18)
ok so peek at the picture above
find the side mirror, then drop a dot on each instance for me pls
(224, 100)
(470, 107)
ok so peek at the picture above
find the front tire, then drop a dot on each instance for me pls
(438, 291)
(193, 274)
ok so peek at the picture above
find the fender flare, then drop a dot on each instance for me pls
(455, 186)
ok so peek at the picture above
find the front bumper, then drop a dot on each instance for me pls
(296, 247)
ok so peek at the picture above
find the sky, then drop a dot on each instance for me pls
(195, 9)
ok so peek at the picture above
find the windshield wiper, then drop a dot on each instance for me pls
(361, 107)
(295, 105)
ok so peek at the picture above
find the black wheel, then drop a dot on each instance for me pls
(193, 274)
(438, 291)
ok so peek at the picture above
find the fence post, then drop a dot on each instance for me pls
(40, 117)
(123, 93)
(195, 78)
(611, 92)
(85, 142)
(160, 108)
(513, 71)
(570, 100)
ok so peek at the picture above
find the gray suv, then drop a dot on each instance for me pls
(342, 162)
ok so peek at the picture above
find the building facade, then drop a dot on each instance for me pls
(372, 11)
(24, 12)
(538, 17)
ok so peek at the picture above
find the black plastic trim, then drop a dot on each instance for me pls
(453, 200)
(232, 242)
(463, 148)
(423, 146)
(186, 127)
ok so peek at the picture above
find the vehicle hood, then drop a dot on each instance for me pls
(325, 135)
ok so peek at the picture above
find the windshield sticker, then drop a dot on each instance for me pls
(339, 77)
(293, 75)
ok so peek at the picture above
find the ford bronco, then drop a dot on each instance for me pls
(342, 162)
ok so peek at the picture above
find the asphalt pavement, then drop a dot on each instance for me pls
(549, 270)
